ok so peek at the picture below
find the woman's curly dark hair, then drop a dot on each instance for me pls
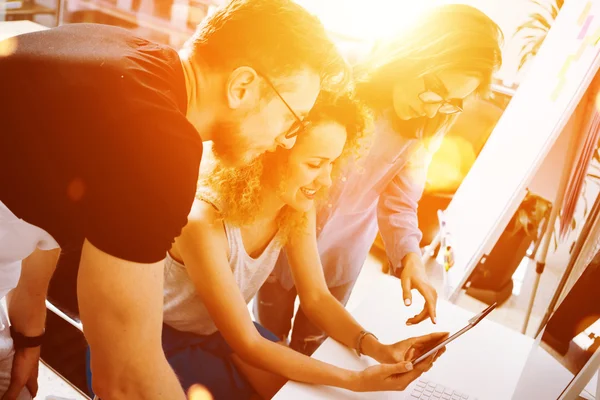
(237, 190)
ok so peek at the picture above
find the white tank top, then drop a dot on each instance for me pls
(183, 309)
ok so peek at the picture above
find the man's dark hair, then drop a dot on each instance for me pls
(276, 37)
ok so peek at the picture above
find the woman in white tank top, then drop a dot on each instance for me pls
(239, 224)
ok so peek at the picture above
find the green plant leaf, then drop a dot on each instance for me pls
(530, 50)
(523, 61)
(544, 6)
(596, 156)
(530, 25)
(554, 12)
(541, 19)
(526, 48)
(530, 44)
(536, 47)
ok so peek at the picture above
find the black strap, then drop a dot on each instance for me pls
(21, 341)
(207, 200)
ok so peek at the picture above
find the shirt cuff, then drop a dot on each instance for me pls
(410, 245)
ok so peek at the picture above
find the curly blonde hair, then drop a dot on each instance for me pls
(237, 191)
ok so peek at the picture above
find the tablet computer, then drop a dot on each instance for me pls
(472, 322)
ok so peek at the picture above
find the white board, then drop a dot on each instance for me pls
(541, 107)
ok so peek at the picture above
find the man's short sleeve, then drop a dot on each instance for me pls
(138, 200)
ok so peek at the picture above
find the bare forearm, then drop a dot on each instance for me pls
(333, 318)
(295, 366)
(27, 302)
(27, 313)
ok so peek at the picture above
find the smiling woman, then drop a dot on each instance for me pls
(239, 224)
(241, 190)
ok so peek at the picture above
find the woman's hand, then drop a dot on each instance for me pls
(409, 349)
(391, 377)
(413, 276)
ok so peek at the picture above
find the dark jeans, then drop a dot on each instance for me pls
(274, 309)
(205, 360)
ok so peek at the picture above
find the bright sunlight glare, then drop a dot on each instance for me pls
(7, 46)
(366, 21)
(199, 392)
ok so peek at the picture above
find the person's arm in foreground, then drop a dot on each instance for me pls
(27, 312)
(324, 310)
(203, 246)
(121, 307)
(398, 224)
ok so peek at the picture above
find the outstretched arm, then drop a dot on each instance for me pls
(323, 309)
(320, 306)
(203, 246)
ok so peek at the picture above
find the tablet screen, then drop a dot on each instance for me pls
(472, 322)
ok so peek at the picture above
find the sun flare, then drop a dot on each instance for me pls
(366, 21)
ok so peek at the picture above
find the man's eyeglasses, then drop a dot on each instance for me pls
(435, 93)
(299, 125)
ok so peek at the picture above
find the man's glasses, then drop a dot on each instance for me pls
(299, 125)
(434, 93)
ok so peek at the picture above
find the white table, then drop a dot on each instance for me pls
(14, 28)
(486, 362)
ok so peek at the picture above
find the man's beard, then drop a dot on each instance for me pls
(230, 147)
